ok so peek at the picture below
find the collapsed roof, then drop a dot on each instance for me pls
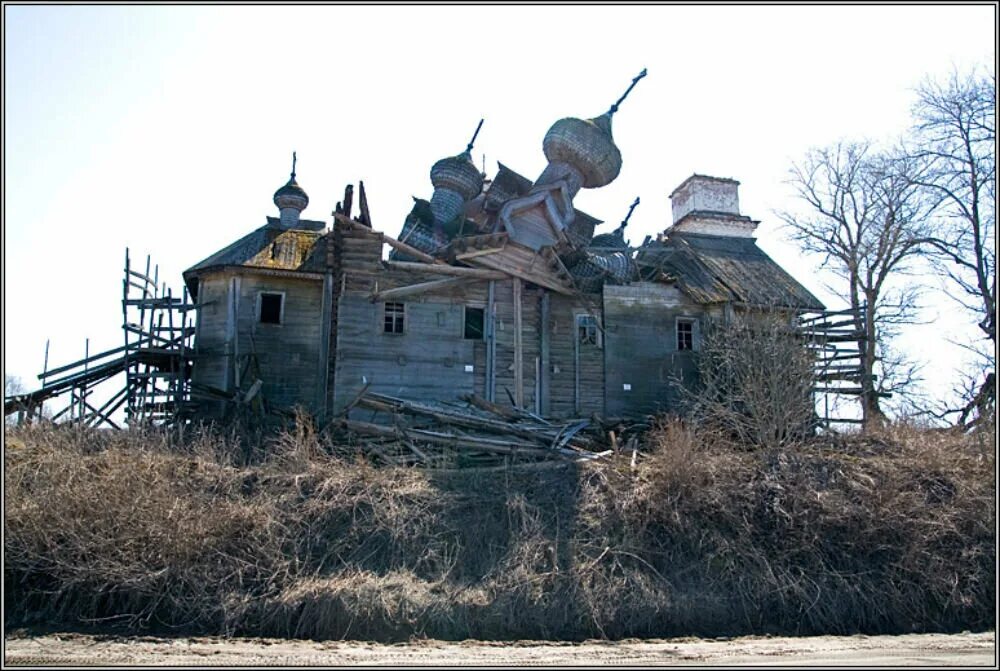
(531, 230)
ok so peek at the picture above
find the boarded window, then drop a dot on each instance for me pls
(475, 319)
(587, 332)
(394, 314)
(270, 308)
(685, 334)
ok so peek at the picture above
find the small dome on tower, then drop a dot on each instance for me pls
(291, 194)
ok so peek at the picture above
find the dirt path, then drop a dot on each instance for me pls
(964, 649)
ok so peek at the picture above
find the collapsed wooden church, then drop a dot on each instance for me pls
(496, 288)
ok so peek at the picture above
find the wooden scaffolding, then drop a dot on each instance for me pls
(155, 359)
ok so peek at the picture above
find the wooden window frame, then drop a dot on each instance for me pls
(693, 323)
(402, 316)
(598, 332)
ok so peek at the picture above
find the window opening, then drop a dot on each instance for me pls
(270, 308)
(685, 335)
(587, 332)
(394, 314)
(475, 318)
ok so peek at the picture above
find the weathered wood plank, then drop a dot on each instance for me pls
(423, 287)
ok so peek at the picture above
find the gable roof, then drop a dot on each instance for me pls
(714, 268)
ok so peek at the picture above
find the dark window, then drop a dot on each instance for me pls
(394, 317)
(270, 308)
(475, 318)
(685, 334)
(586, 330)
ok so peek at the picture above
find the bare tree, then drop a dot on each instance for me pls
(12, 386)
(868, 221)
(955, 134)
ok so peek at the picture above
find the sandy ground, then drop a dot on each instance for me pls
(964, 649)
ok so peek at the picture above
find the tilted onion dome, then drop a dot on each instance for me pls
(586, 145)
(458, 174)
(291, 195)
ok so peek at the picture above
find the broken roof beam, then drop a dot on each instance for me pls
(423, 287)
(401, 247)
(440, 269)
(543, 277)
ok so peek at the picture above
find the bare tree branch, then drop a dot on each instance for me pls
(868, 218)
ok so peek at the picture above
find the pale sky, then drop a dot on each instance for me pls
(167, 129)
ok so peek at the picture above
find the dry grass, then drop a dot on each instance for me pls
(148, 531)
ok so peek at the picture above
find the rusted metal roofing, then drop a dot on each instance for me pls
(271, 247)
(712, 269)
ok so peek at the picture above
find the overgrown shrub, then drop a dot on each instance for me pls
(145, 531)
(754, 382)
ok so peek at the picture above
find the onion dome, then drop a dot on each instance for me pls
(459, 173)
(587, 145)
(291, 195)
(456, 181)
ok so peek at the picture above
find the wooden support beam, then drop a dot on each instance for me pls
(75, 364)
(439, 269)
(120, 397)
(518, 347)
(544, 383)
(423, 287)
(96, 414)
(478, 252)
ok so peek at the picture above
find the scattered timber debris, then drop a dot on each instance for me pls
(474, 433)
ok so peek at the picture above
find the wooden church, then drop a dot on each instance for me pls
(496, 287)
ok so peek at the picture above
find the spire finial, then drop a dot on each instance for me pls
(614, 108)
(294, 159)
(474, 136)
(630, 209)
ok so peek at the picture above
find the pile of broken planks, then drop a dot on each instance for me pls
(475, 433)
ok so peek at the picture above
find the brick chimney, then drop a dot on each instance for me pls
(711, 206)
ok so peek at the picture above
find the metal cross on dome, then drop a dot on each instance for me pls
(635, 80)
(474, 136)
(630, 209)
